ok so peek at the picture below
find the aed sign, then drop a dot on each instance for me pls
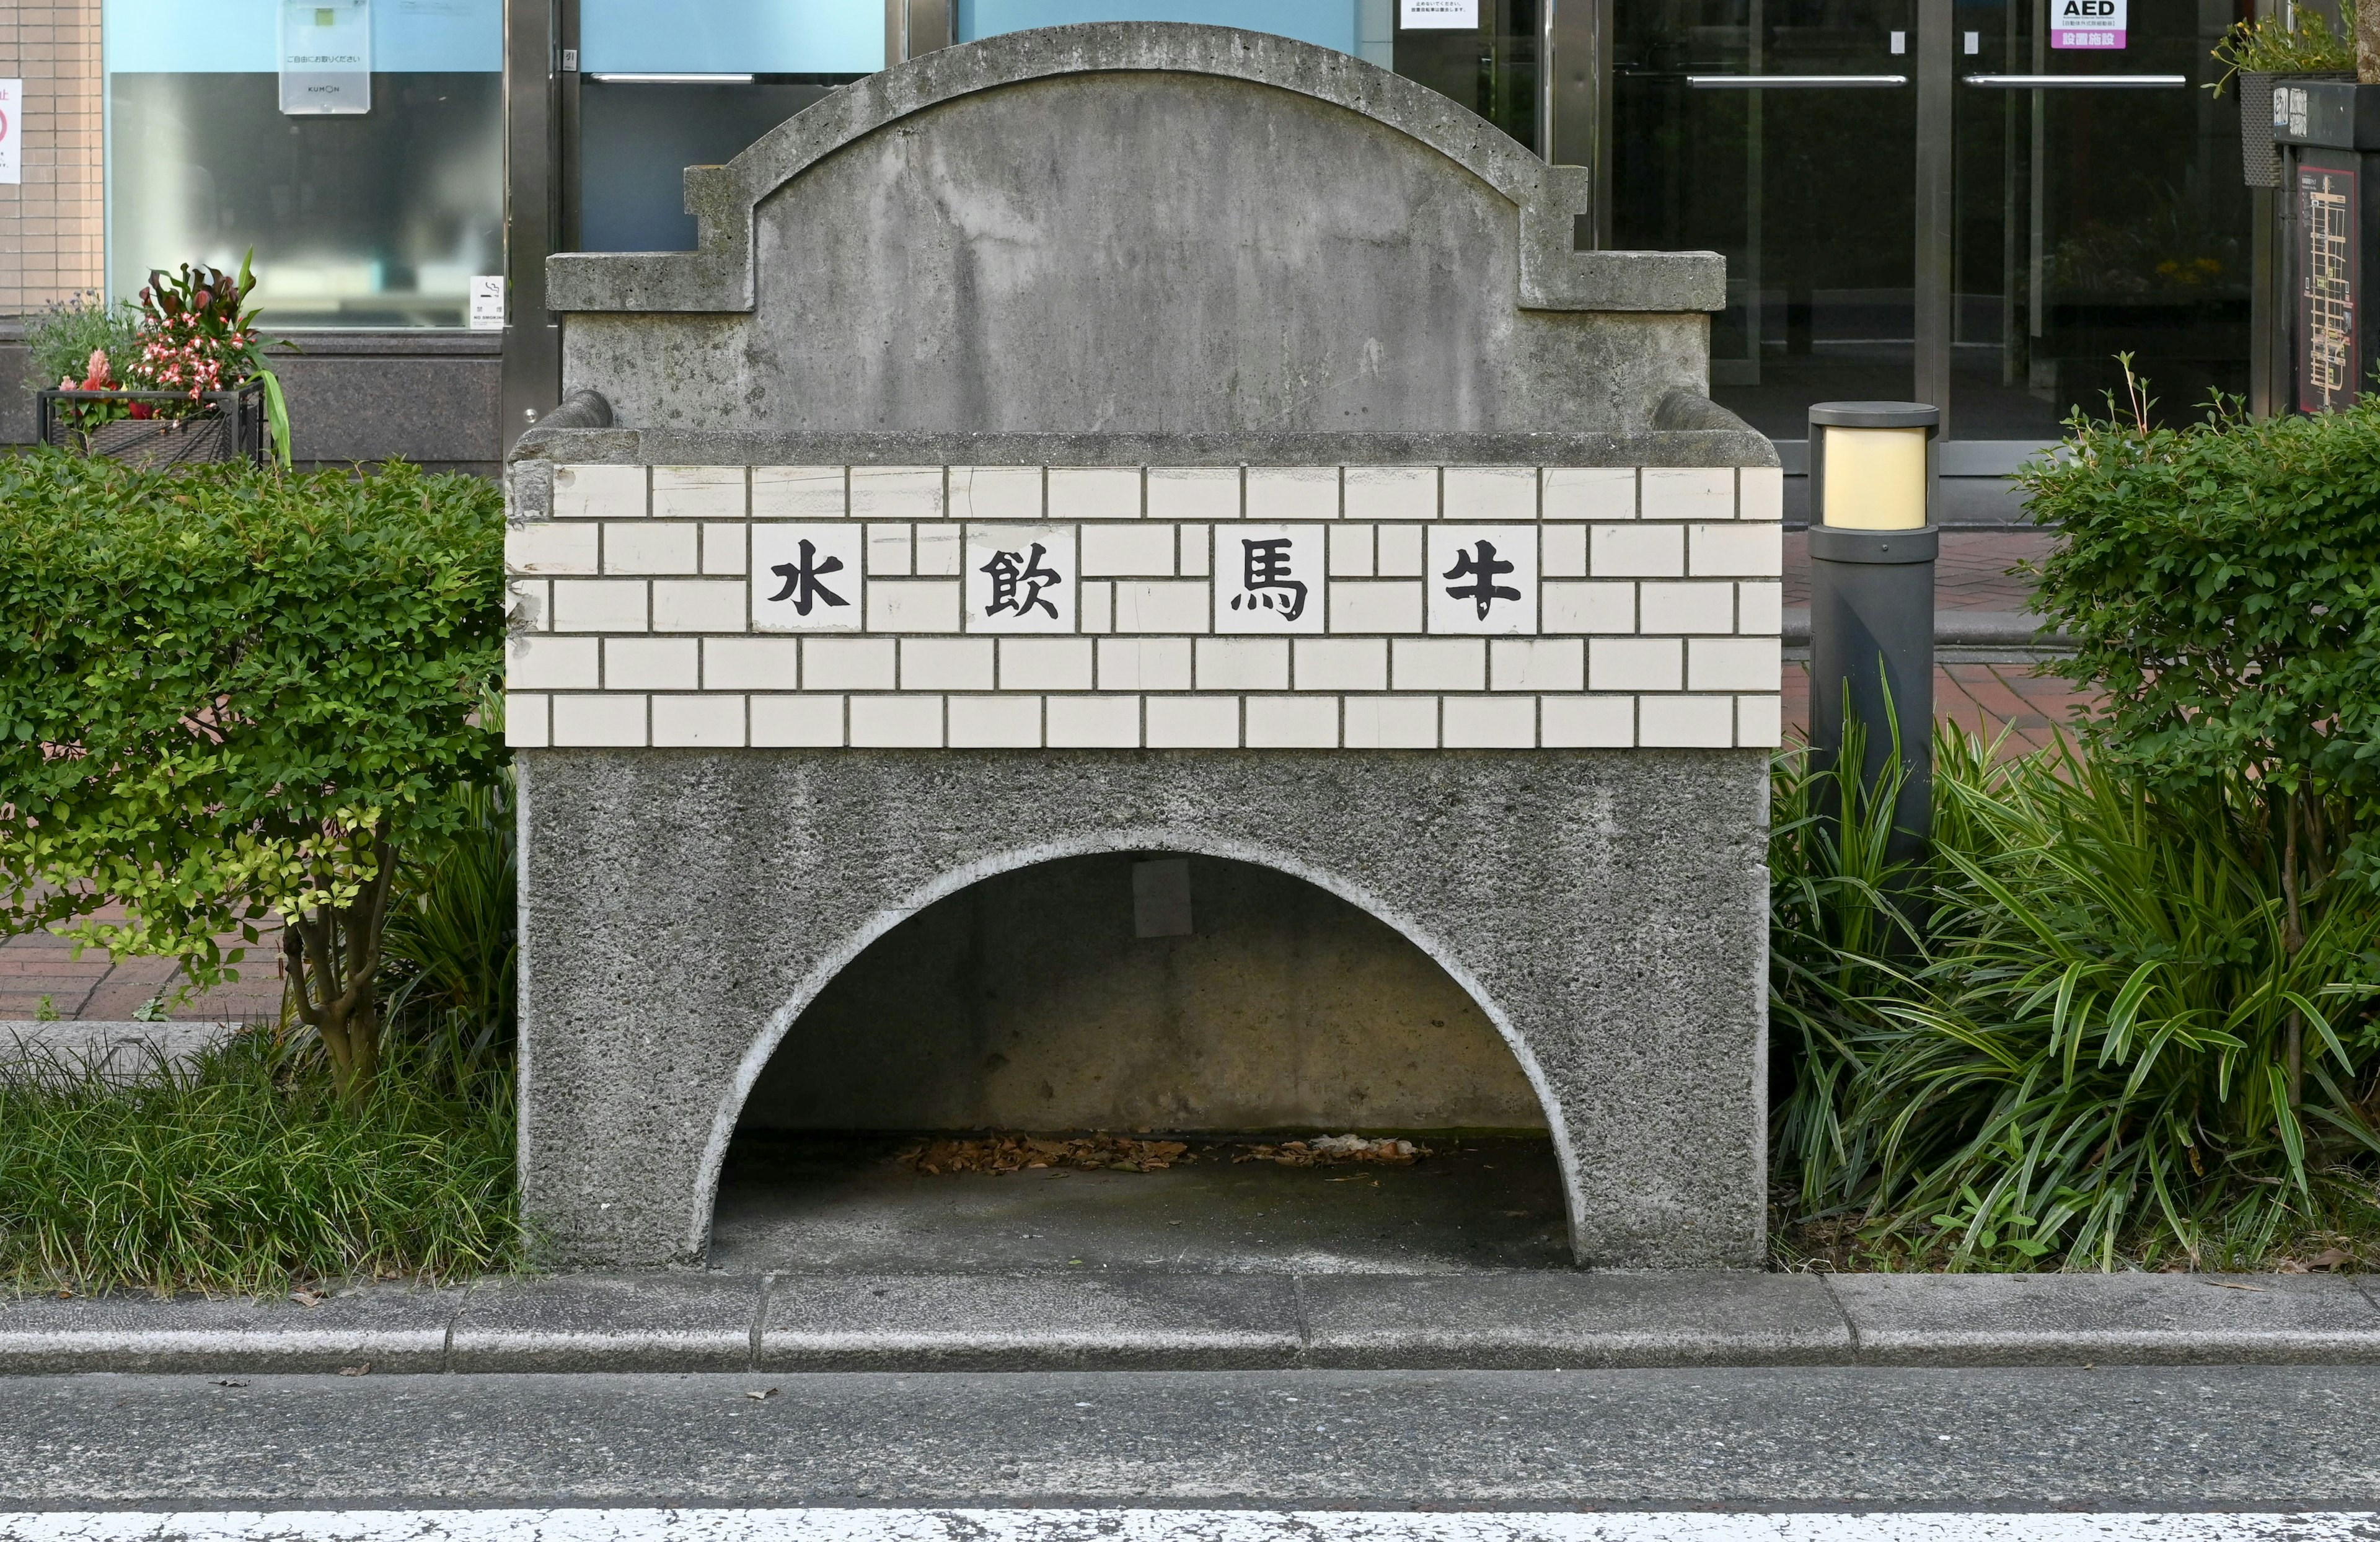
(12, 130)
(1438, 15)
(2086, 23)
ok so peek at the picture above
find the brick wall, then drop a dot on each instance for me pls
(52, 225)
(1026, 607)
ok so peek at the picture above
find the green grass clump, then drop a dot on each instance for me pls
(2095, 1030)
(247, 1172)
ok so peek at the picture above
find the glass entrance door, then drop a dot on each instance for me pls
(2100, 210)
(2086, 200)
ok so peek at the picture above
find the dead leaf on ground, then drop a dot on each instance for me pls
(1328, 1150)
(231, 1383)
(2330, 1258)
(762, 1396)
(364, 1370)
(1017, 1153)
(305, 1298)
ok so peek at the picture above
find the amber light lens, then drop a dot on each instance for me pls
(1876, 478)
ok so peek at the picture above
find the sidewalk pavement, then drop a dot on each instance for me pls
(39, 967)
(1501, 1320)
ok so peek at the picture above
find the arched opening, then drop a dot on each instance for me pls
(1216, 1003)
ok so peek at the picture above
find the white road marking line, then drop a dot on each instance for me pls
(719, 1524)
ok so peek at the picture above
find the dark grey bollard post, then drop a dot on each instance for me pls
(1872, 549)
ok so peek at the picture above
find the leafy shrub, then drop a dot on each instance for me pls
(249, 1172)
(63, 338)
(2307, 44)
(449, 968)
(230, 693)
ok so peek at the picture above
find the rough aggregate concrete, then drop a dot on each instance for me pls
(1606, 909)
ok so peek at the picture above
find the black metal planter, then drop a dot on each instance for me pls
(224, 425)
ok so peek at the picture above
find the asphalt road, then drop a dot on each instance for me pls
(2239, 1439)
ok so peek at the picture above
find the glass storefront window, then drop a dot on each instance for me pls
(375, 219)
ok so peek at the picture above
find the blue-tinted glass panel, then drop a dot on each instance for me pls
(1329, 23)
(377, 219)
(731, 37)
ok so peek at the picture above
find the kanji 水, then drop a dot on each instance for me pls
(801, 576)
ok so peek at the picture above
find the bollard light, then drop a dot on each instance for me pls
(1872, 548)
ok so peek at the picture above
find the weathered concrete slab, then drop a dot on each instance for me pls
(2039, 1319)
(685, 1322)
(1030, 1322)
(119, 1050)
(1546, 1320)
(384, 1327)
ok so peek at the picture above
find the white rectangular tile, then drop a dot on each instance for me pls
(1635, 664)
(1486, 579)
(1284, 494)
(1589, 493)
(1733, 663)
(1488, 721)
(599, 722)
(1587, 721)
(913, 605)
(545, 662)
(1144, 550)
(724, 547)
(1091, 721)
(948, 664)
(528, 604)
(1438, 664)
(995, 723)
(1242, 663)
(1094, 492)
(850, 664)
(1021, 579)
(1099, 606)
(1191, 721)
(528, 721)
(1636, 550)
(1760, 608)
(1341, 664)
(1272, 580)
(698, 493)
(901, 493)
(1562, 551)
(1760, 493)
(799, 492)
(1590, 607)
(1292, 721)
(644, 547)
(1759, 722)
(753, 663)
(1196, 541)
(1388, 721)
(1374, 605)
(1144, 605)
(1739, 551)
(1686, 722)
(796, 721)
(995, 492)
(1488, 494)
(896, 721)
(599, 604)
(699, 605)
(1143, 663)
(1537, 665)
(1686, 607)
(889, 552)
(1687, 492)
(1391, 493)
(941, 547)
(1399, 551)
(1046, 664)
(807, 578)
(1194, 493)
(599, 491)
(552, 546)
(1351, 551)
(713, 720)
(652, 664)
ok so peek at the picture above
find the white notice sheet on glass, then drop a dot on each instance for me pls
(325, 56)
(12, 130)
(1449, 15)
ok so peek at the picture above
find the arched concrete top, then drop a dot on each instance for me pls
(718, 276)
(1187, 839)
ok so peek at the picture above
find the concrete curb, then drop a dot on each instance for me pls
(1514, 1320)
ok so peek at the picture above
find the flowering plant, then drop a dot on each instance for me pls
(196, 336)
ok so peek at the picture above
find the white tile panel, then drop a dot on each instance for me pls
(1635, 664)
(1537, 665)
(528, 721)
(799, 493)
(1091, 721)
(913, 605)
(1194, 493)
(1099, 606)
(552, 546)
(1687, 492)
(713, 720)
(1563, 550)
(1399, 551)
(599, 491)
(891, 554)
(1489, 493)
(1759, 722)
(1360, 605)
(995, 723)
(1733, 663)
(1686, 722)
(1139, 550)
(1351, 551)
(896, 721)
(1286, 493)
(834, 554)
(1636, 550)
(849, 664)
(756, 664)
(1739, 551)
(1587, 721)
(1143, 664)
(1438, 664)
(530, 604)
(1046, 664)
(995, 492)
(1589, 493)
(1292, 722)
(1760, 493)
(1342, 664)
(1590, 607)
(896, 493)
(545, 662)
(599, 722)
(1463, 600)
(1686, 607)
(1760, 608)
(1094, 492)
(1198, 542)
(948, 664)
(1488, 721)
(724, 548)
(1021, 579)
(940, 548)
(1390, 722)
(1242, 663)
(645, 547)
(599, 604)
(1176, 605)
(1273, 580)
(1191, 721)
(796, 721)
(1391, 493)
(699, 605)
(698, 493)
(652, 664)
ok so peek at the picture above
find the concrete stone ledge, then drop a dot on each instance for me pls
(1509, 1321)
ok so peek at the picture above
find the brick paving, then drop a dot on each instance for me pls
(1988, 695)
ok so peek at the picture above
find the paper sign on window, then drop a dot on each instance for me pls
(12, 130)
(2086, 23)
(1445, 15)
(325, 56)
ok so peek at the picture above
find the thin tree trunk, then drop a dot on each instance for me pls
(2293, 937)
(334, 955)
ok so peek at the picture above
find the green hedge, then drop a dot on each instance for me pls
(229, 693)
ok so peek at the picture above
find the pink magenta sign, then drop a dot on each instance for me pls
(2087, 24)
